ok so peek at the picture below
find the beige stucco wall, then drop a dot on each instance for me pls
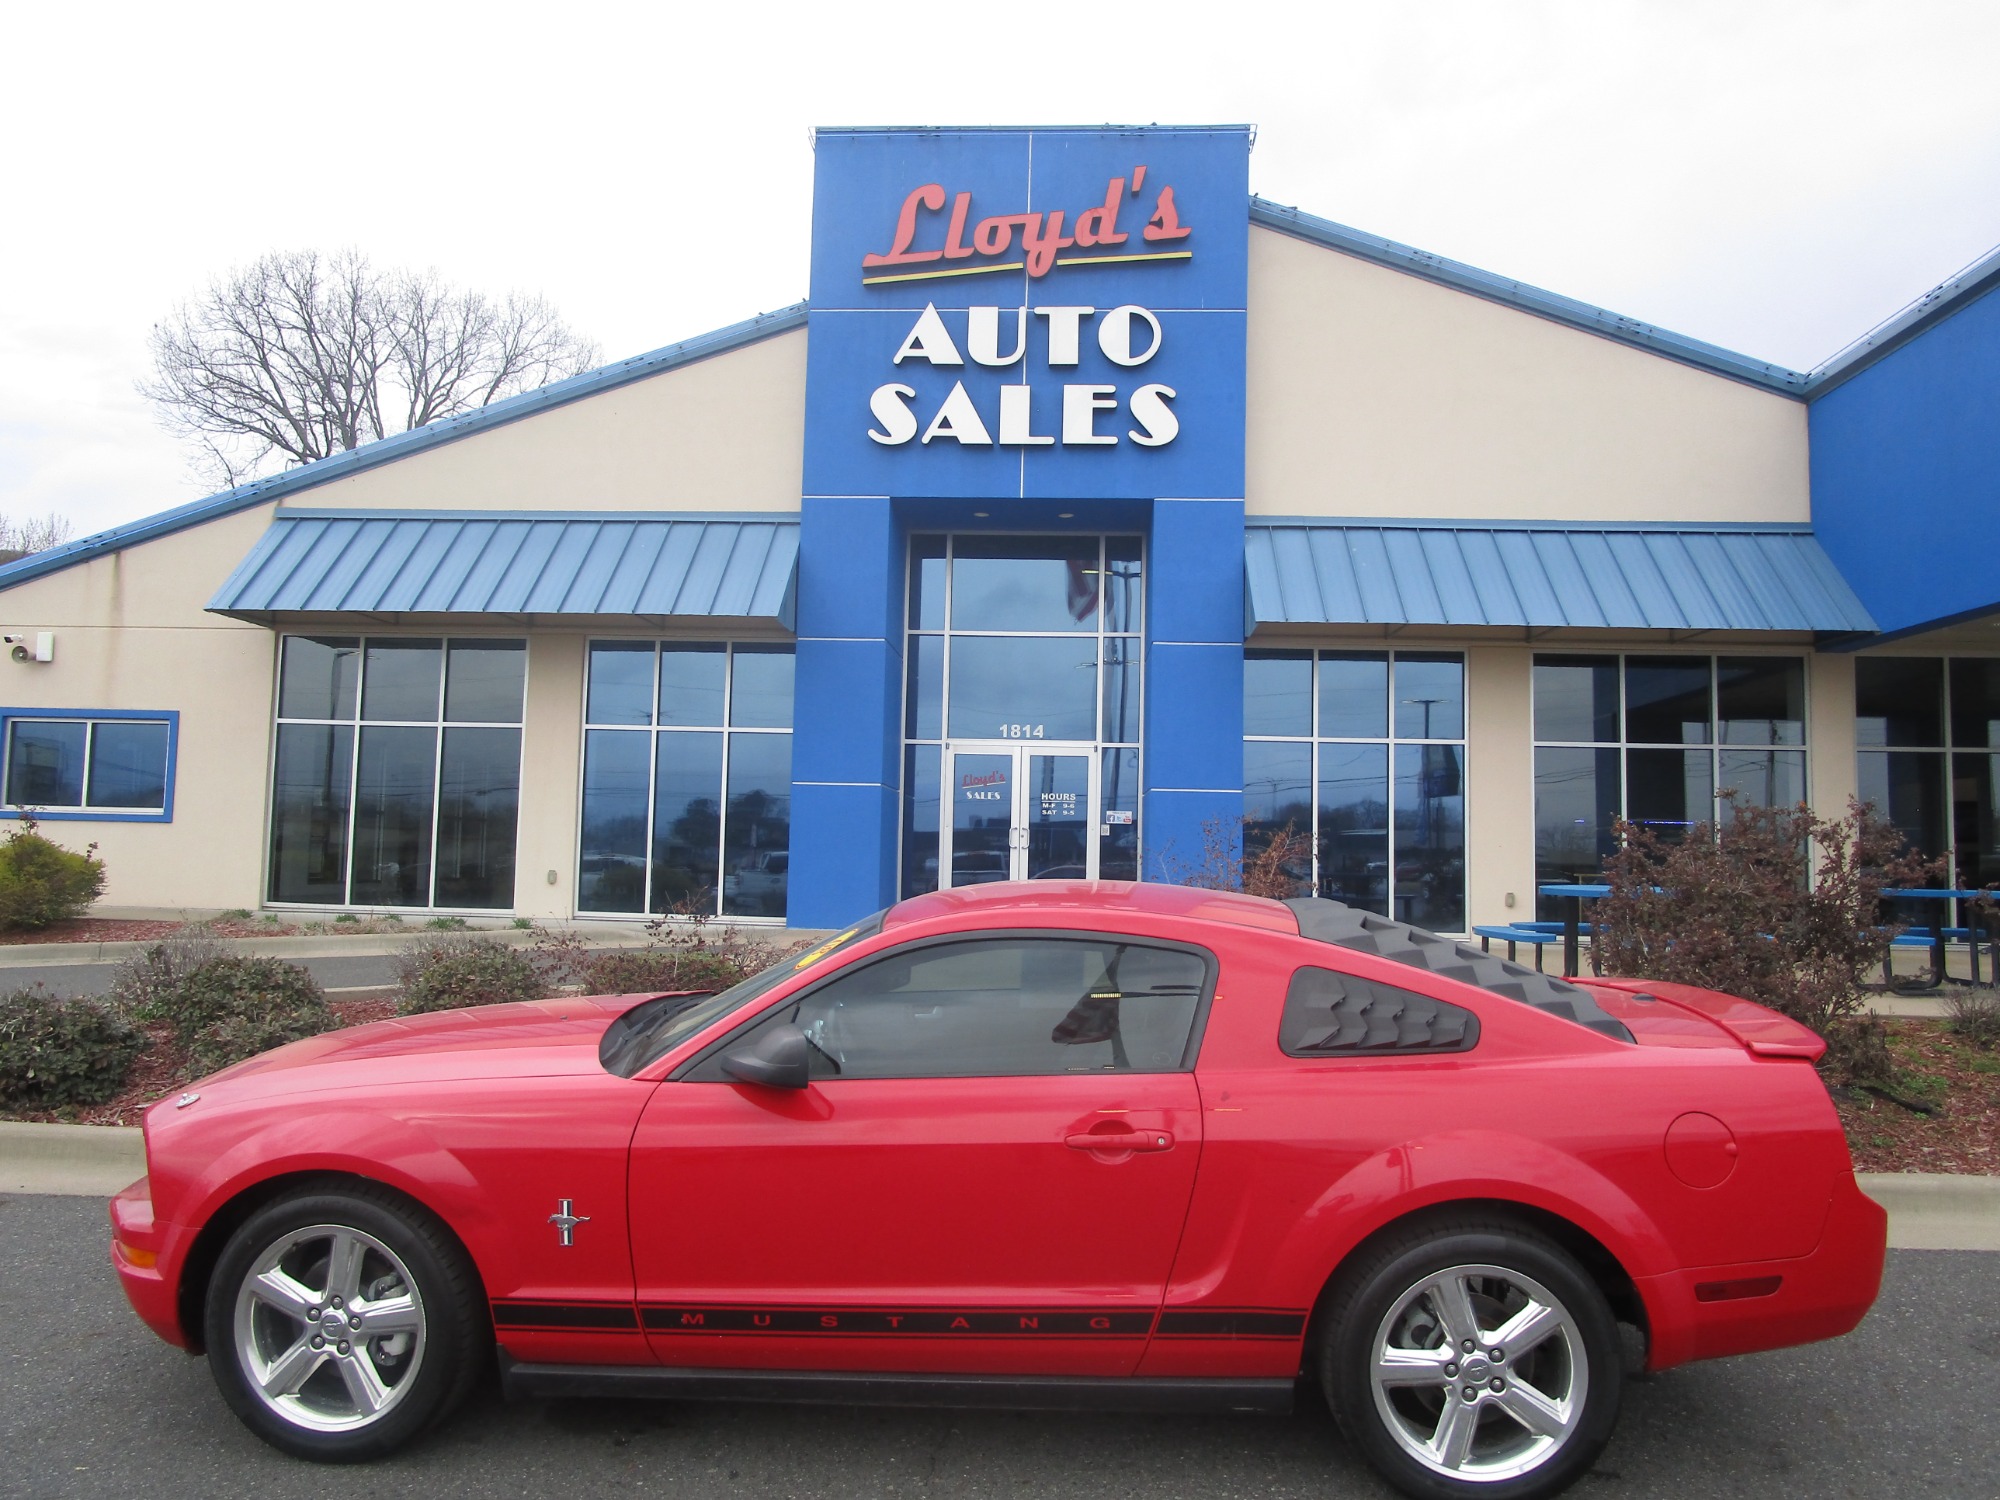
(1499, 785)
(551, 774)
(725, 433)
(1376, 393)
(131, 633)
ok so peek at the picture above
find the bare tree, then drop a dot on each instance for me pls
(301, 355)
(33, 534)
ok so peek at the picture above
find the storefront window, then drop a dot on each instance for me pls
(687, 778)
(1363, 752)
(1657, 740)
(397, 772)
(1929, 735)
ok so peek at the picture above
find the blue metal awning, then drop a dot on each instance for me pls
(1551, 577)
(415, 563)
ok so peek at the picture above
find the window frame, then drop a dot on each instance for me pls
(86, 813)
(358, 722)
(1190, 1053)
(654, 729)
(1715, 747)
(1945, 754)
(911, 745)
(1389, 740)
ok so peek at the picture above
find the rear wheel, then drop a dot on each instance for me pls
(340, 1324)
(1473, 1360)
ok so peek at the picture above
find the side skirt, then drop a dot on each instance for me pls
(522, 1381)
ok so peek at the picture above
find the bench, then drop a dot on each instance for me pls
(1529, 934)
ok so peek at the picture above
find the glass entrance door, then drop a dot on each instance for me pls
(1019, 813)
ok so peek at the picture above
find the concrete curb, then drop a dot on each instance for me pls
(1927, 1210)
(81, 1161)
(1937, 1210)
(367, 945)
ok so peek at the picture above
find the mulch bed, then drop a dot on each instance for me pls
(1957, 1080)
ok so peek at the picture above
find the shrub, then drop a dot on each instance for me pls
(42, 882)
(222, 1006)
(627, 971)
(1750, 913)
(236, 1006)
(1975, 1015)
(148, 986)
(56, 1052)
(448, 972)
(1239, 854)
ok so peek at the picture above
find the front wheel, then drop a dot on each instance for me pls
(342, 1323)
(1473, 1360)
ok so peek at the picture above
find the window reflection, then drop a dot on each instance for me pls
(719, 835)
(1045, 682)
(1025, 583)
(433, 785)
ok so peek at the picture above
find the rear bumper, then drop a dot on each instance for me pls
(136, 1243)
(1822, 1295)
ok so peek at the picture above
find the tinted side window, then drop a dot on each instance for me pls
(1343, 1015)
(1004, 1007)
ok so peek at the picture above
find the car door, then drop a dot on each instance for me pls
(987, 1173)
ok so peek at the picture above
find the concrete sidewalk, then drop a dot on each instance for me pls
(1927, 1211)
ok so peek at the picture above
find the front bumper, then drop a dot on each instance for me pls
(136, 1245)
(1821, 1295)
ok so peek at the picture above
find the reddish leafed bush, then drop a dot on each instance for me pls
(1783, 907)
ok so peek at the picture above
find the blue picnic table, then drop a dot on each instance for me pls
(1941, 929)
(1935, 933)
(1573, 919)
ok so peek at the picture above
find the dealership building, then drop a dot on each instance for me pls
(1089, 511)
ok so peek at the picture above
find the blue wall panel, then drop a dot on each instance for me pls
(1906, 473)
(1194, 689)
(847, 710)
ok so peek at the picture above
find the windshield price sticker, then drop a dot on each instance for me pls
(1024, 731)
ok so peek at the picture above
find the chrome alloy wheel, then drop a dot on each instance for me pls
(329, 1328)
(1480, 1373)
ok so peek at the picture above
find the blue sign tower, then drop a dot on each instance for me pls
(1018, 329)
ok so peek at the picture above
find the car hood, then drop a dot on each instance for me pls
(539, 1039)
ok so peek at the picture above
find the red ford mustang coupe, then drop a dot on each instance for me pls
(1052, 1145)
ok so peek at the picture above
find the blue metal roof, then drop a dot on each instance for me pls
(1541, 576)
(411, 563)
(403, 444)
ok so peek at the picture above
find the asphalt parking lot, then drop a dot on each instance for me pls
(91, 1404)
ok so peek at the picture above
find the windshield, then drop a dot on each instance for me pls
(653, 1028)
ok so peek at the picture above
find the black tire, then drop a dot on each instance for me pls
(396, 1352)
(1566, 1378)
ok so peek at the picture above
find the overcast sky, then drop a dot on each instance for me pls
(1774, 176)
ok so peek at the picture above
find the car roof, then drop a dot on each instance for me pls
(1027, 899)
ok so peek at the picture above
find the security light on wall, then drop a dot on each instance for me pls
(31, 645)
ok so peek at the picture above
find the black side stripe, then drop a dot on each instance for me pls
(934, 1322)
(1232, 1323)
(602, 1317)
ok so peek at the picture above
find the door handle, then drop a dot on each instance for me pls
(1121, 1140)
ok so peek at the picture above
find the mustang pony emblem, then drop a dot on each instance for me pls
(566, 1222)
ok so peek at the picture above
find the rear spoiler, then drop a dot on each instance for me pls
(1760, 1030)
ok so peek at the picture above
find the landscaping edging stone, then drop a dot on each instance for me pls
(1927, 1210)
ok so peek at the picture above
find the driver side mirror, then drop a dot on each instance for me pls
(778, 1058)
